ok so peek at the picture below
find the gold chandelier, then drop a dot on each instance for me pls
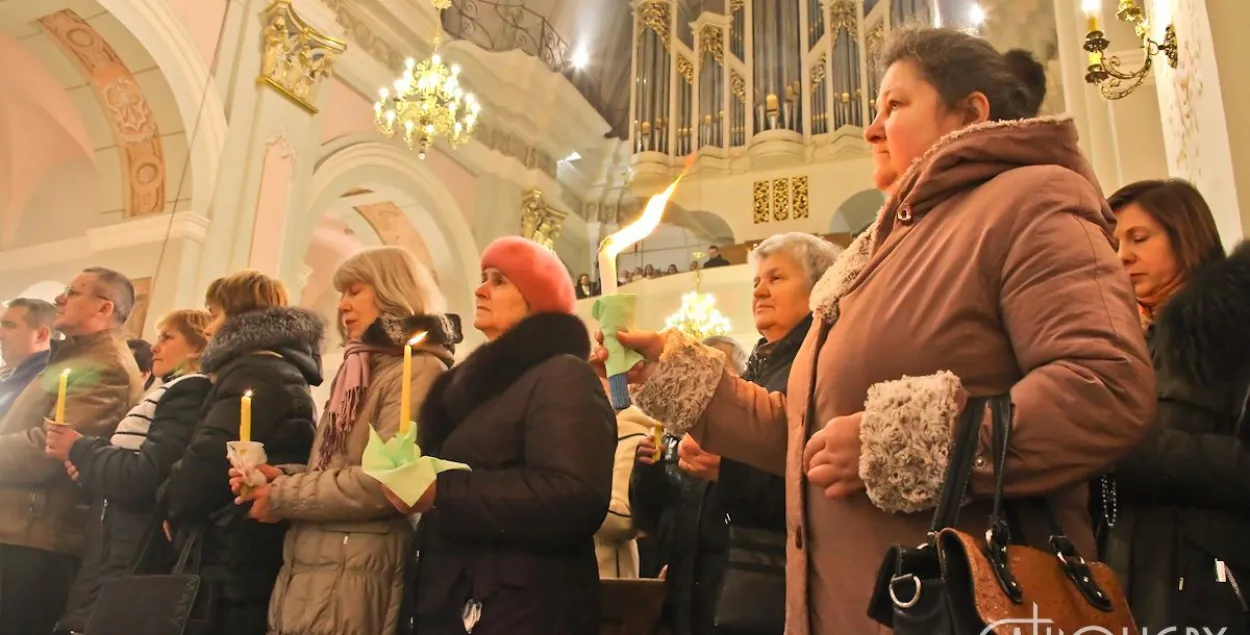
(698, 316)
(428, 102)
(1104, 72)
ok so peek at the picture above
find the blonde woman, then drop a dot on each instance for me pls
(122, 473)
(344, 557)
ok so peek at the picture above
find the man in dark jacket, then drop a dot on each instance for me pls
(25, 337)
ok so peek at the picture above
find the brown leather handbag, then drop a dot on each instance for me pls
(960, 584)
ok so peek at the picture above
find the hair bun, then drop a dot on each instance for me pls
(1031, 74)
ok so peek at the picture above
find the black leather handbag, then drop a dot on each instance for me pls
(960, 584)
(753, 590)
(176, 603)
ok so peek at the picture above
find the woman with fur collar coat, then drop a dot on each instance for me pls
(989, 270)
(344, 555)
(508, 548)
(1177, 512)
(257, 344)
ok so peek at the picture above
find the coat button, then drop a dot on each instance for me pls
(798, 538)
(979, 462)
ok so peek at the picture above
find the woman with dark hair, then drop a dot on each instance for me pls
(990, 269)
(1176, 514)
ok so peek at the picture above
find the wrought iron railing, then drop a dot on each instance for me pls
(502, 27)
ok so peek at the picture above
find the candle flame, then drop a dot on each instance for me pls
(628, 235)
(65, 372)
(248, 393)
(418, 338)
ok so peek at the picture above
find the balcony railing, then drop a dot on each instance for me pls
(501, 27)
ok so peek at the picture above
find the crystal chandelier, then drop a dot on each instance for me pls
(698, 316)
(428, 102)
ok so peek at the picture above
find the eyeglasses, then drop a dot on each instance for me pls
(71, 292)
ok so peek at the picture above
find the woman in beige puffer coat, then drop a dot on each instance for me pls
(346, 550)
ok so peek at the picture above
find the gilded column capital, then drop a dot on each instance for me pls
(540, 222)
(297, 56)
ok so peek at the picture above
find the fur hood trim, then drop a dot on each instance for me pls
(495, 366)
(839, 277)
(277, 329)
(1204, 330)
(442, 330)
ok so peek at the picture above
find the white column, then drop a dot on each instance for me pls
(1204, 144)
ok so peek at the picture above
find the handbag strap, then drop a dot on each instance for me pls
(960, 456)
(191, 555)
(998, 536)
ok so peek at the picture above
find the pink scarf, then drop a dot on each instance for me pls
(347, 396)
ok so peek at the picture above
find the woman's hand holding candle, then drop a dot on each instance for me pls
(257, 495)
(649, 344)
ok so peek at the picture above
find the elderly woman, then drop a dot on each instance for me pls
(508, 548)
(344, 555)
(123, 473)
(1178, 509)
(734, 504)
(990, 269)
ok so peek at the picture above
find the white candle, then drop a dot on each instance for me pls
(607, 273)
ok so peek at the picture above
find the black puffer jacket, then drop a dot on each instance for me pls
(1182, 498)
(275, 353)
(122, 484)
(690, 518)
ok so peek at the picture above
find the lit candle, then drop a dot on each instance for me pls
(1090, 8)
(61, 389)
(624, 238)
(245, 417)
(405, 389)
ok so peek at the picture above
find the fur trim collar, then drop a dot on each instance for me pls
(911, 197)
(495, 366)
(441, 330)
(1203, 332)
(279, 329)
(838, 278)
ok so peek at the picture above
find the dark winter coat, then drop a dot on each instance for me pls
(1182, 498)
(122, 485)
(516, 534)
(691, 517)
(275, 353)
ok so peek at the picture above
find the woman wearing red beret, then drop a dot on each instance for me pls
(508, 548)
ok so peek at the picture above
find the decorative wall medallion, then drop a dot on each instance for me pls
(134, 126)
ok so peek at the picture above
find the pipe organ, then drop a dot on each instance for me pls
(764, 71)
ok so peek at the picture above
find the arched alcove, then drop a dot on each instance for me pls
(857, 212)
(398, 177)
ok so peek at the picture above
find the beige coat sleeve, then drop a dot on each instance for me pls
(618, 525)
(96, 399)
(346, 493)
(693, 393)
